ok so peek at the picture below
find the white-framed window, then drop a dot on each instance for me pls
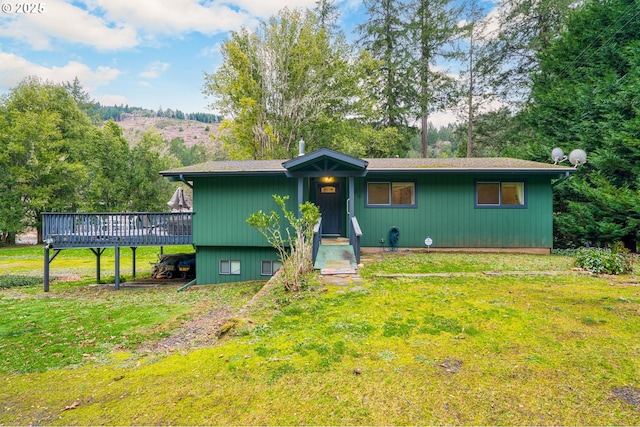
(229, 267)
(501, 194)
(269, 267)
(391, 193)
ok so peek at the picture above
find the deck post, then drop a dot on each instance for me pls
(47, 261)
(117, 283)
(46, 268)
(97, 252)
(133, 251)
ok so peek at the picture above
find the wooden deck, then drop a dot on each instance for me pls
(131, 229)
(97, 231)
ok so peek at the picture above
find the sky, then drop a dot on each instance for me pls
(151, 54)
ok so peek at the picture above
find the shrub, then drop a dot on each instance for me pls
(15, 281)
(294, 248)
(616, 260)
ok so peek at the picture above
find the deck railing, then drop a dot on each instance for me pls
(97, 230)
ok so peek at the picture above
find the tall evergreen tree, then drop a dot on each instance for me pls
(328, 13)
(384, 35)
(83, 100)
(432, 29)
(526, 28)
(476, 87)
(586, 96)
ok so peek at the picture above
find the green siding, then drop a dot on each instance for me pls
(446, 213)
(222, 205)
(208, 262)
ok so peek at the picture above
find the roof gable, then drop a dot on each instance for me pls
(325, 162)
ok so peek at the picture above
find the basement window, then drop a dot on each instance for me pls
(391, 194)
(269, 268)
(229, 267)
(501, 194)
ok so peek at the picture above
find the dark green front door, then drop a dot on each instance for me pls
(328, 200)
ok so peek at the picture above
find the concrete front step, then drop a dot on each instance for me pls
(335, 258)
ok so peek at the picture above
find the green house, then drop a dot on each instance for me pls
(492, 204)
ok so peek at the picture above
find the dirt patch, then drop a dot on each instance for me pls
(450, 366)
(202, 331)
(206, 330)
(630, 395)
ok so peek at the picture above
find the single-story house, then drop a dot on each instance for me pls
(454, 203)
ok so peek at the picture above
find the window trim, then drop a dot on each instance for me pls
(500, 205)
(391, 205)
(231, 270)
(272, 262)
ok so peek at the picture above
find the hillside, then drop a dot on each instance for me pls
(191, 131)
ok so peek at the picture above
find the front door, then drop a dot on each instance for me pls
(328, 200)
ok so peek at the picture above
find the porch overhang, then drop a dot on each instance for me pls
(325, 162)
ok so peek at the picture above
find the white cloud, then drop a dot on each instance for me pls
(264, 9)
(65, 22)
(171, 17)
(442, 118)
(153, 70)
(124, 24)
(112, 100)
(14, 68)
(212, 50)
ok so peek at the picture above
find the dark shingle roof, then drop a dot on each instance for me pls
(396, 165)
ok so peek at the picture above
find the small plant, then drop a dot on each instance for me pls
(294, 249)
(15, 281)
(616, 260)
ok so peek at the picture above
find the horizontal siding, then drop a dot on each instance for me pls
(208, 262)
(446, 213)
(222, 205)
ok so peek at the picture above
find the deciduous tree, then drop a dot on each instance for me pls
(288, 79)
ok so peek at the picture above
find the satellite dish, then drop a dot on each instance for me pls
(577, 157)
(557, 155)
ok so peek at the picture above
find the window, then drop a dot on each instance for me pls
(505, 194)
(391, 194)
(269, 268)
(228, 266)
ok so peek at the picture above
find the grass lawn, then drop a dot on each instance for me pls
(459, 339)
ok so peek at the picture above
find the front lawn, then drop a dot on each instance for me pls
(484, 347)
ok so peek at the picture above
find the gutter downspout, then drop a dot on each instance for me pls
(193, 282)
(566, 176)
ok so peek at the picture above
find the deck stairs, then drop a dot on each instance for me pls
(335, 256)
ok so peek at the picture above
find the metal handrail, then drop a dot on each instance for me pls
(354, 237)
(317, 239)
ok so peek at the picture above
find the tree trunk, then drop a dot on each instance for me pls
(630, 242)
(470, 118)
(425, 132)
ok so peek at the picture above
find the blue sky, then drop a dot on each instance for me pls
(148, 54)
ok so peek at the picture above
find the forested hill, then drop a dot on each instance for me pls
(192, 132)
(119, 113)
